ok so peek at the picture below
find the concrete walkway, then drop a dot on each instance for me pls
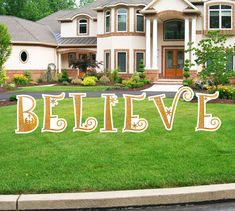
(114, 199)
(163, 88)
(38, 95)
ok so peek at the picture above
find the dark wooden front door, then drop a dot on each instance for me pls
(174, 63)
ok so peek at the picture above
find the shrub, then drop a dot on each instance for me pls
(20, 79)
(40, 80)
(3, 77)
(104, 80)
(89, 81)
(13, 98)
(65, 83)
(135, 77)
(64, 77)
(225, 92)
(115, 76)
(28, 75)
(10, 86)
(76, 81)
(188, 82)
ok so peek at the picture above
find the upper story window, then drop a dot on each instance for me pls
(139, 21)
(107, 21)
(122, 20)
(174, 30)
(220, 17)
(83, 26)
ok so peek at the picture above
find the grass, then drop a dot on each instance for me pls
(69, 162)
(62, 89)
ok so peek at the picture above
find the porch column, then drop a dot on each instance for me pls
(148, 43)
(59, 62)
(186, 38)
(193, 34)
(155, 44)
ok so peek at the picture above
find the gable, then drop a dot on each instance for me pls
(163, 5)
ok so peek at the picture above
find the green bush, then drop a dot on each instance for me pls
(3, 77)
(187, 82)
(28, 75)
(89, 81)
(76, 81)
(64, 77)
(225, 92)
(186, 75)
(104, 80)
(20, 79)
(10, 86)
(65, 83)
(13, 98)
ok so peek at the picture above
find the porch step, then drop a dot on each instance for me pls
(169, 82)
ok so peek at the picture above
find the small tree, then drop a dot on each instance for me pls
(212, 54)
(5, 51)
(142, 69)
(84, 63)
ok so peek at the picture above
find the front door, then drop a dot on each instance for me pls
(174, 63)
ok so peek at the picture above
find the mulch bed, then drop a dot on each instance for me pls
(7, 103)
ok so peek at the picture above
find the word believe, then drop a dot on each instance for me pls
(27, 120)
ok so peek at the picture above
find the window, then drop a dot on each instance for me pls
(107, 60)
(71, 58)
(82, 56)
(229, 65)
(83, 26)
(122, 61)
(174, 30)
(24, 56)
(122, 20)
(107, 21)
(220, 17)
(139, 58)
(139, 22)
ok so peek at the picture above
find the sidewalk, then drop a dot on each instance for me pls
(114, 199)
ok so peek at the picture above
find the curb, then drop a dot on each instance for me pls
(111, 199)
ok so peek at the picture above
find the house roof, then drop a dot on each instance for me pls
(25, 31)
(76, 41)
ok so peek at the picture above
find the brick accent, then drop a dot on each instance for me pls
(152, 75)
(35, 73)
(232, 81)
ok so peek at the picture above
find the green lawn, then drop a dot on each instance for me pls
(62, 89)
(71, 162)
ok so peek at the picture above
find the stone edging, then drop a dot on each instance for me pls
(111, 199)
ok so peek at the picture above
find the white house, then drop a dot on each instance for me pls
(120, 33)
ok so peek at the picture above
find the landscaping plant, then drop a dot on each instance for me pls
(20, 79)
(64, 77)
(89, 81)
(187, 66)
(142, 69)
(212, 54)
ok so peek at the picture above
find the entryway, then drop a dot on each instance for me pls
(174, 63)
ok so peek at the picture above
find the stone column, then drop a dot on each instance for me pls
(194, 40)
(59, 62)
(148, 43)
(186, 38)
(155, 44)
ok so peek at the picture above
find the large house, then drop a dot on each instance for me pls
(120, 33)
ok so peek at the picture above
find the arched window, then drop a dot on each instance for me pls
(122, 20)
(83, 26)
(139, 21)
(174, 30)
(107, 21)
(24, 56)
(220, 17)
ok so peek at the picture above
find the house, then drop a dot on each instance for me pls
(120, 33)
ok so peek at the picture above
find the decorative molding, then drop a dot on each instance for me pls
(120, 34)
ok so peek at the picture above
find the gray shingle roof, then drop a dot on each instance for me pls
(22, 30)
(76, 41)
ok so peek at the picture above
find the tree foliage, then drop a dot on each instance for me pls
(212, 54)
(84, 63)
(5, 45)
(34, 9)
(85, 2)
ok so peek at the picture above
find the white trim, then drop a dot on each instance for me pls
(79, 25)
(220, 10)
(136, 16)
(154, 1)
(105, 23)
